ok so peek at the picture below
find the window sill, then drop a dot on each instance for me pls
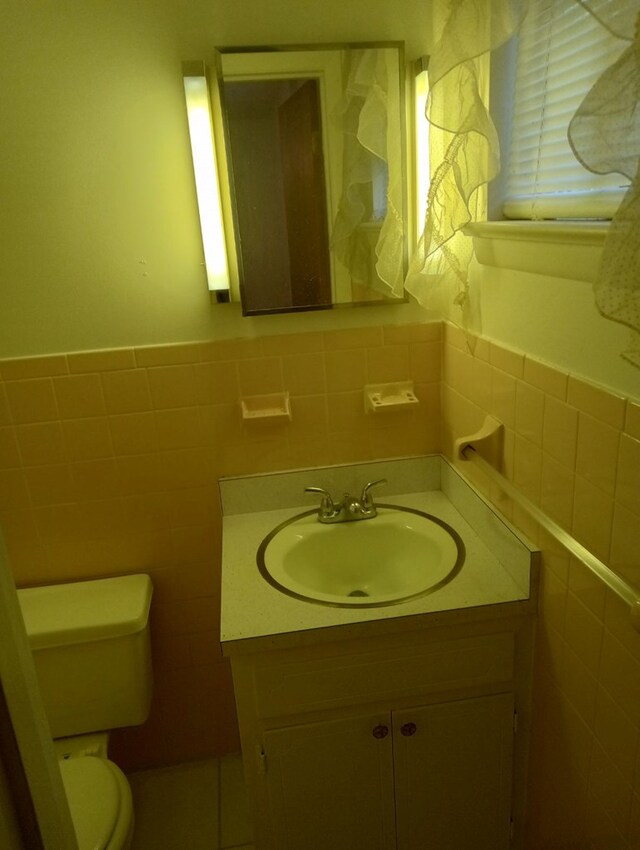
(563, 249)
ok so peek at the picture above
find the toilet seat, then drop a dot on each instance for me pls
(100, 802)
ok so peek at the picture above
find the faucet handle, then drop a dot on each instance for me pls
(365, 497)
(326, 503)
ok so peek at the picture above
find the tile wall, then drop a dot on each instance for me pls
(109, 463)
(574, 450)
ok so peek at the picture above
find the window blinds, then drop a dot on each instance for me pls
(562, 51)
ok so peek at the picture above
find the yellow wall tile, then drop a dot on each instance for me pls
(620, 675)
(425, 361)
(456, 337)
(126, 391)
(195, 545)
(232, 349)
(583, 632)
(344, 372)
(529, 412)
(587, 587)
(221, 425)
(628, 479)
(140, 473)
(163, 514)
(557, 491)
(592, 517)
(597, 452)
(403, 334)
(50, 485)
(172, 386)
(260, 377)
(560, 431)
(179, 428)
(503, 397)
(304, 374)
(57, 522)
(133, 433)
(14, 492)
(595, 401)
(96, 479)
(551, 381)
(579, 685)
(146, 512)
(87, 439)
(9, 453)
(103, 360)
(167, 355)
(480, 385)
(617, 734)
(506, 359)
(309, 417)
(41, 443)
(193, 506)
(102, 518)
(216, 383)
(388, 363)
(624, 544)
(632, 419)
(527, 468)
(457, 370)
(79, 395)
(32, 400)
(33, 367)
(187, 468)
(345, 412)
(282, 344)
(5, 413)
(352, 338)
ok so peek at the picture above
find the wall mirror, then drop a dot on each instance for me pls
(315, 149)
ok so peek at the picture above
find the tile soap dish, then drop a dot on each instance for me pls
(272, 406)
(396, 396)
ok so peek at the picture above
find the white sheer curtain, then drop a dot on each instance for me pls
(372, 145)
(605, 137)
(464, 149)
(465, 154)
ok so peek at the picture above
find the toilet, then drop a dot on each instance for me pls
(91, 649)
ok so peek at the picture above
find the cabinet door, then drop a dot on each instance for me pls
(330, 785)
(453, 774)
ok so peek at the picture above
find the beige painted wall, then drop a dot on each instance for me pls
(556, 320)
(98, 223)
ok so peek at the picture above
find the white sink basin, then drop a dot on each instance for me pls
(398, 555)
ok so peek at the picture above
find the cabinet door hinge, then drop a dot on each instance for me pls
(261, 759)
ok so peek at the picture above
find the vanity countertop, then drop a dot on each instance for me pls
(499, 568)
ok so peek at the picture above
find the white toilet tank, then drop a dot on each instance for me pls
(91, 648)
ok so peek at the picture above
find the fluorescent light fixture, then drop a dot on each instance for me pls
(205, 169)
(421, 142)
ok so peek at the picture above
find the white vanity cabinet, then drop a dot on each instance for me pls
(399, 740)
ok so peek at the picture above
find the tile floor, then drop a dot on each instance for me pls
(195, 806)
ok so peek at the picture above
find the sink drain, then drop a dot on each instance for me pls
(358, 593)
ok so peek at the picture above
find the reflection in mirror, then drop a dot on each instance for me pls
(315, 150)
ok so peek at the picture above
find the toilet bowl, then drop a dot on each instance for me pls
(100, 803)
(91, 650)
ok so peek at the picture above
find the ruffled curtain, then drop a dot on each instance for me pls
(464, 149)
(605, 137)
(464, 154)
(372, 145)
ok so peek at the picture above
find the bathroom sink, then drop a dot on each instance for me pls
(398, 555)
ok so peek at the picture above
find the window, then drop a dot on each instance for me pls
(562, 51)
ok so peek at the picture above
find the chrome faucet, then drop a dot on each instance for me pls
(350, 508)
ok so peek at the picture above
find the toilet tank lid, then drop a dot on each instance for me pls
(64, 614)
